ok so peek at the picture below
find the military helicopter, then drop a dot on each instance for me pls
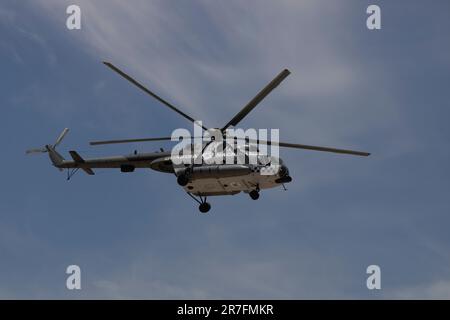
(200, 179)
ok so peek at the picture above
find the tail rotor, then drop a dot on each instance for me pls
(33, 151)
(49, 147)
(61, 137)
(55, 157)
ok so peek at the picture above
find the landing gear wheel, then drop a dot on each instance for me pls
(254, 194)
(182, 180)
(204, 207)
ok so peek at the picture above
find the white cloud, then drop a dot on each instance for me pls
(436, 290)
(171, 50)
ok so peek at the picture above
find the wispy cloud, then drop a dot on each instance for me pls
(223, 57)
(436, 290)
(348, 88)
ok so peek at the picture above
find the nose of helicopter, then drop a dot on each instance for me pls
(283, 175)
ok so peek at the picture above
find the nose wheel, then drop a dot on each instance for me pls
(183, 180)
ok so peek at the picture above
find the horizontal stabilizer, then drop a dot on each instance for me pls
(78, 159)
(89, 171)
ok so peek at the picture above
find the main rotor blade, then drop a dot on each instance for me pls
(309, 147)
(257, 99)
(95, 143)
(325, 149)
(140, 86)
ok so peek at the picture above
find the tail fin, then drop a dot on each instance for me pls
(54, 156)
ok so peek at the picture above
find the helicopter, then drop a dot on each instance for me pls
(199, 173)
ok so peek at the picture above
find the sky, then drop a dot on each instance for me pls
(140, 236)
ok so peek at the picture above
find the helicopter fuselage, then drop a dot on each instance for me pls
(205, 179)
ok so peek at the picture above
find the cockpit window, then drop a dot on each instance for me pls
(264, 160)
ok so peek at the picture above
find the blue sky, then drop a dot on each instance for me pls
(140, 236)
